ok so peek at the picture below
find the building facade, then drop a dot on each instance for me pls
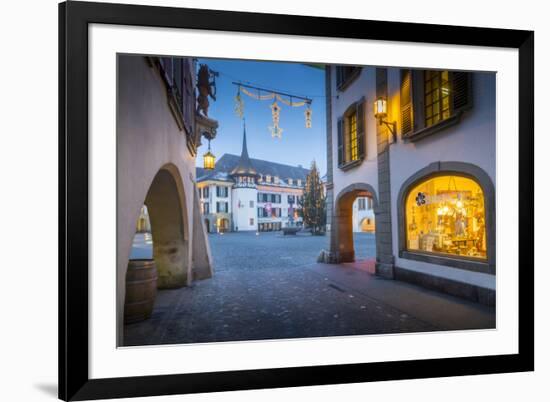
(427, 163)
(158, 132)
(245, 194)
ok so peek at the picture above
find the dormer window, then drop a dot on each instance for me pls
(299, 183)
(268, 179)
(276, 179)
(290, 182)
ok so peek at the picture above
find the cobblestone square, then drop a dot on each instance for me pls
(268, 286)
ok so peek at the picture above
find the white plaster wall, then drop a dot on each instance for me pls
(148, 138)
(362, 86)
(241, 216)
(472, 141)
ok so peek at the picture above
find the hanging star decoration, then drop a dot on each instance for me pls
(239, 104)
(263, 94)
(276, 131)
(308, 113)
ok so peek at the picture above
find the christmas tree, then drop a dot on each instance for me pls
(313, 209)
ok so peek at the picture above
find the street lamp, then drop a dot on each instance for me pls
(381, 112)
(209, 159)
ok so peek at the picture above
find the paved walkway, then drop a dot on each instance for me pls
(263, 297)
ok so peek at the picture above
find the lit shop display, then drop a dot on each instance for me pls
(446, 215)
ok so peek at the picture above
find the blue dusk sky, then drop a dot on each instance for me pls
(298, 145)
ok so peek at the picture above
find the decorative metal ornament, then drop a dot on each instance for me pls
(276, 131)
(239, 104)
(308, 113)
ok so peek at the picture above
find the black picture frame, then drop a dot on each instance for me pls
(74, 18)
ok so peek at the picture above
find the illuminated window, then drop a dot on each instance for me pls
(351, 145)
(351, 135)
(436, 96)
(446, 215)
(437, 105)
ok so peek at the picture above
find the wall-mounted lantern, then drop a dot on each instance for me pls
(209, 159)
(381, 112)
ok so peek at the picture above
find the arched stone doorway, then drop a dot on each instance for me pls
(223, 225)
(342, 246)
(165, 203)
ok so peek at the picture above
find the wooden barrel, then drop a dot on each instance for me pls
(141, 290)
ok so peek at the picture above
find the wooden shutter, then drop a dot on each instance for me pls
(339, 76)
(462, 97)
(340, 141)
(406, 102)
(361, 134)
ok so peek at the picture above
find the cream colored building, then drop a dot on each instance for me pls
(245, 194)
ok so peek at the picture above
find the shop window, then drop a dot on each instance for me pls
(446, 215)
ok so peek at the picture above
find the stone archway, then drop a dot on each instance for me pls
(165, 203)
(342, 248)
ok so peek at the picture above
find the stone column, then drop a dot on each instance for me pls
(330, 255)
(384, 246)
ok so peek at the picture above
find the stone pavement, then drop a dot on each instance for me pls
(257, 292)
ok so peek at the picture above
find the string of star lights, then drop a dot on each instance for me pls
(263, 94)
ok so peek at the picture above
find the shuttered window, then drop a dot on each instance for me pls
(432, 100)
(345, 76)
(351, 136)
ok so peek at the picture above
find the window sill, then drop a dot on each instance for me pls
(350, 165)
(469, 264)
(426, 131)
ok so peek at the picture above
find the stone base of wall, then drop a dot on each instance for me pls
(463, 290)
(384, 270)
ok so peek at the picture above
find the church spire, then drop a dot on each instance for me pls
(244, 167)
